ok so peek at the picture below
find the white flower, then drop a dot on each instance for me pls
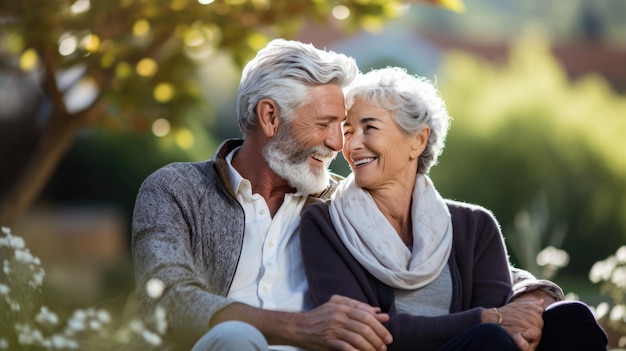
(76, 322)
(79, 315)
(58, 341)
(601, 270)
(160, 320)
(4, 242)
(90, 312)
(6, 230)
(4, 290)
(4, 344)
(155, 287)
(47, 343)
(45, 316)
(601, 310)
(27, 335)
(151, 338)
(619, 277)
(620, 254)
(617, 312)
(61, 342)
(6, 267)
(23, 256)
(37, 278)
(16, 242)
(136, 325)
(95, 324)
(552, 256)
(71, 344)
(37, 335)
(104, 316)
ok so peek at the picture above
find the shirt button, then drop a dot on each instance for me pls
(265, 289)
(270, 245)
(262, 212)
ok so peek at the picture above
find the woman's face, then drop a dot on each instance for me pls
(378, 152)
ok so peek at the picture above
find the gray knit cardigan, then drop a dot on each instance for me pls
(187, 231)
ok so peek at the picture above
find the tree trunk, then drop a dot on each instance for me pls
(54, 143)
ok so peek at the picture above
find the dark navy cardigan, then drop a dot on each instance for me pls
(478, 265)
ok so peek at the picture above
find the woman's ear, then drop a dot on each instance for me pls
(267, 112)
(420, 140)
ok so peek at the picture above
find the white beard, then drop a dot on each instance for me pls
(286, 157)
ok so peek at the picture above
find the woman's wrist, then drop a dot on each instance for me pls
(491, 315)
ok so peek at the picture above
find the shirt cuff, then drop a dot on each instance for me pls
(546, 286)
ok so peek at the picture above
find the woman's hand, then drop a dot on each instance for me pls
(522, 320)
(346, 324)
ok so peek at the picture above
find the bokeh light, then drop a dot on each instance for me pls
(123, 70)
(67, 44)
(80, 6)
(141, 28)
(28, 60)
(184, 138)
(163, 92)
(341, 12)
(147, 67)
(161, 127)
(90, 42)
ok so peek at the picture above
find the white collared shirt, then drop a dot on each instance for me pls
(270, 274)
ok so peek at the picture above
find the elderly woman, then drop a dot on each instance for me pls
(439, 268)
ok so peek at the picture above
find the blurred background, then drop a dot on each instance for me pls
(95, 95)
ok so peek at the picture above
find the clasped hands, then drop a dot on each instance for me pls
(522, 318)
(347, 324)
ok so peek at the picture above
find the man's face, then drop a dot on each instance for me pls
(302, 149)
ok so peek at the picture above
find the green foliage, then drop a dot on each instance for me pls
(108, 167)
(29, 324)
(132, 48)
(523, 130)
(129, 64)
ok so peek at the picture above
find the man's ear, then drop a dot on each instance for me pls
(267, 111)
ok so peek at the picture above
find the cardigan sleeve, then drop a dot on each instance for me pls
(331, 269)
(481, 256)
(524, 281)
(164, 248)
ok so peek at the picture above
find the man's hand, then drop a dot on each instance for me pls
(534, 295)
(346, 324)
(523, 321)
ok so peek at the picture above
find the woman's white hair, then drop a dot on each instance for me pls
(414, 102)
(283, 71)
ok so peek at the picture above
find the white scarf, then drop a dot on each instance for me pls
(373, 241)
